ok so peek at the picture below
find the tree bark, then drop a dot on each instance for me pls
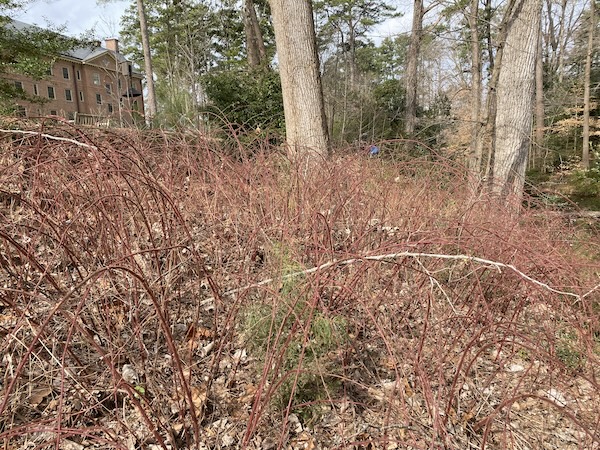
(255, 45)
(352, 56)
(516, 85)
(305, 122)
(585, 156)
(487, 17)
(495, 66)
(539, 103)
(414, 49)
(151, 97)
(476, 147)
(562, 41)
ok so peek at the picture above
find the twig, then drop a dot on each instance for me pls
(390, 256)
(435, 282)
(48, 136)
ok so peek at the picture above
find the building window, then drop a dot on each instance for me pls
(79, 75)
(36, 90)
(99, 99)
(81, 95)
(108, 88)
(68, 95)
(65, 73)
(18, 86)
(21, 111)
(110, 108)
(96, 78)
(119, 83)
(50, 71)
(51, 92)
(71, 115)
(53, 112)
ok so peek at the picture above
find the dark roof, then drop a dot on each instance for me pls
(84, 53)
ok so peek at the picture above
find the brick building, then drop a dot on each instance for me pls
(92, 84)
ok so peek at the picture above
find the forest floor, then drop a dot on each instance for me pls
(569, 188)
(159, 292)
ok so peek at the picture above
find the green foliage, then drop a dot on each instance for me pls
(201, 44)
(390, 96)
(280, 329)
(587, 182)
(386, 60)
(180, 42)
(343, 22)
(434, 121)
(459, 11)
(177, 30)
(354, 67)
(567, 350)
(229, 35)
(247, 98)
(564, 92)
(374, 105)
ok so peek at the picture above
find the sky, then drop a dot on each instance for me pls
(80, 16)
(76, 16)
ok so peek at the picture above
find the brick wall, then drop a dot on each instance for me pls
(95, 88)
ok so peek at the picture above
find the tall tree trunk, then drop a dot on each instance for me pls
(495, 65)
(516, 87)
(476, 150)
(352, 57)
(414, 50)
(550, 36)
(305, 122)
(151, 97)
(487, 17)
(585, 156)
(562, 40)
(255, 45)
(539, 103)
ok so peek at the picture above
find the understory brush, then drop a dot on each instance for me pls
(157, 293)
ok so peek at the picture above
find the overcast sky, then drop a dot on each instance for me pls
(79, 16)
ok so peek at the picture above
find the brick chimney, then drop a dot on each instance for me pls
(112, 44)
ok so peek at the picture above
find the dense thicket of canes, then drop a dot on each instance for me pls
(157, 292)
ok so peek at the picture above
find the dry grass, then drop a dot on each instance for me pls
(147, 302)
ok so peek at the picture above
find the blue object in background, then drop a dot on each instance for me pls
(373, 150)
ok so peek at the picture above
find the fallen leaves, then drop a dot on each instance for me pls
(38, 394)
